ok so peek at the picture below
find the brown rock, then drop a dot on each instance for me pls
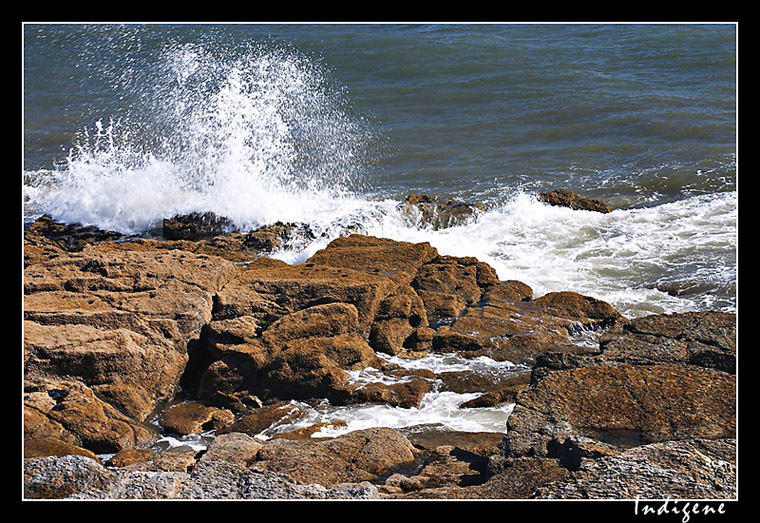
(46, 239)
(520, 331)
(623, 405)
(235, 447)
(361, 455)
(378, 256)
(166, 461)
(706, 339)
(38, 447)
(257, 421)
(566, 198)
(494, 398)
(193, 418)
(127, 457)
(77, 417)
(407, 394)
(521, 478)
(113, 327)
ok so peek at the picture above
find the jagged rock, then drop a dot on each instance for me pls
(688, 469)
(195, 226)
(79, 477)
(567, 198)
(112, 328)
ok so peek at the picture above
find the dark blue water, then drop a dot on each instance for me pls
(334, 124)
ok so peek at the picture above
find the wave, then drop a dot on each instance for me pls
(258, 136)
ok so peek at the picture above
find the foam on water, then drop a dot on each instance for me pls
(437, 409)
(672, 257)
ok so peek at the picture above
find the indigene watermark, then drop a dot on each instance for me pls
(686, 509)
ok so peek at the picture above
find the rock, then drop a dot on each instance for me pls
(256, 421)
(79, 477)
(112, 327)
(39, 447)
(193, 418)
(235, 447)
(46, 239)
(687, 469)
(79, 418)
(494, 398)
(61, 477)
(463, 382)
(432, 212)
(406, 394)
(483, 444)
(127, 457)
(518, 332)
(706, 339)
(278, 235)
(195, 226)
(622, 405)
(383, 257)
(566, 198)
(520, 478)
(361, 455)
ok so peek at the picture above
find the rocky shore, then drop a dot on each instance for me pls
(196, 329)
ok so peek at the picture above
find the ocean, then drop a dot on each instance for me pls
(335, 124)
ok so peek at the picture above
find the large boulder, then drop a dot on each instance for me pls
(706, 339)
(111, 328)
(362, 455)
(622, 405)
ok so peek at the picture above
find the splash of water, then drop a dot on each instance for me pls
(257, 135)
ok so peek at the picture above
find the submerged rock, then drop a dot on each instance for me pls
(278, 235)
(439, 214)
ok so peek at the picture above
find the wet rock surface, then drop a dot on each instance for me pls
(567, 198)
(210, 334)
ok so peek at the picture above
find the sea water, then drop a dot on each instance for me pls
(334, 124)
